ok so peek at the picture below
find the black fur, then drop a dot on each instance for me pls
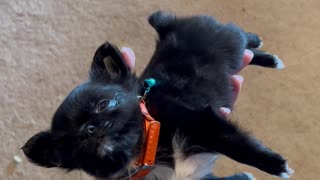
(98, 128)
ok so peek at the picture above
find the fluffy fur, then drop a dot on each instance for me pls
(99, 129)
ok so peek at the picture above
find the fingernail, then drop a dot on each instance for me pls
(238, 78)
(225, 111)
(248, 53)
(124, 48)
(128, 50)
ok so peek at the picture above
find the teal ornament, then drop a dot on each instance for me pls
(148, 84)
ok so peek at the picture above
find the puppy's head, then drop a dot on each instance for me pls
(98, 128)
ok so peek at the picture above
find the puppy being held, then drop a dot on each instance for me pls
(99, 127)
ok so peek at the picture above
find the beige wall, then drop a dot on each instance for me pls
(46, 47)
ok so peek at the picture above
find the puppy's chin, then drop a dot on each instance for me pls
(119, 165)
(110, 166)
(116, 156)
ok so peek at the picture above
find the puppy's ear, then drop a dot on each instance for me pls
(162, 22)
(108, 63)
(40, 150)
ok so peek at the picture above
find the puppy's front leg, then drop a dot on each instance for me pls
(245, 149)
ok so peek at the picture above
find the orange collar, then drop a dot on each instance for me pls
(145, 161)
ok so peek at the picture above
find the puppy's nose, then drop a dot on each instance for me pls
(108, 151)
(106, 148)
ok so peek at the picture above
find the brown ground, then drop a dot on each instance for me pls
(46, 47)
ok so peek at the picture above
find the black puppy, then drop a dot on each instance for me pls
(99, 127)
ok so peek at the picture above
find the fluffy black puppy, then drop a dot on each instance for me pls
(99, 127)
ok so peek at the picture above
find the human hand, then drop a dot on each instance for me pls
(129, 57)
(236, 80)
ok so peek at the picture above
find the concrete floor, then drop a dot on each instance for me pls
(46, 48)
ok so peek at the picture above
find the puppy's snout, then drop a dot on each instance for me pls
(106, 148)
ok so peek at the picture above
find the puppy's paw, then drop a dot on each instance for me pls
(276, 165)
(249, 176)
(281, 169)
(238, 176)
(241, 176)
(261, 43)
(273, 61)
(254, 40)
(278, 62)
(287, 171)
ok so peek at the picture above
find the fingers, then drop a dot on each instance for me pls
(236, 81)
(248, 55)
(129, 57)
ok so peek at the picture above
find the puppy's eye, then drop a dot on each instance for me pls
(90, 129)
(106, 105)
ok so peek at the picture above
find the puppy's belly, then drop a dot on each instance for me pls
(194, 167)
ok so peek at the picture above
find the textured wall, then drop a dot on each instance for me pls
(46, 47)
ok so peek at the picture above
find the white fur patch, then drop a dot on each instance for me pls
(193, 167)
(161, 172)
(261, 42)
(279, 62)
(250, 176)
(288, 172)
